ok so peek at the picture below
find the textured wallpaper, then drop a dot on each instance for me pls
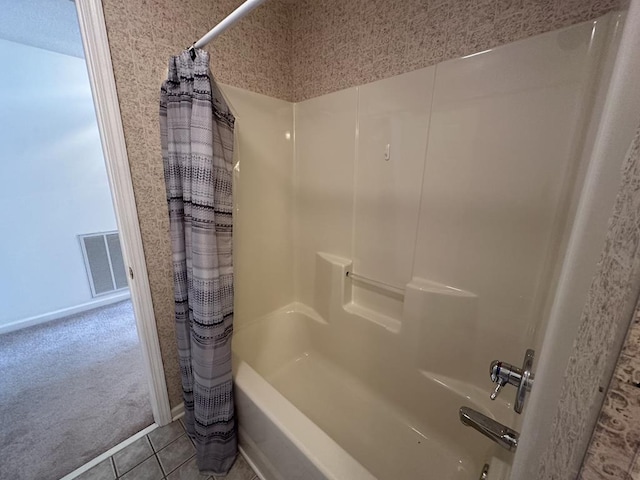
(614, 452)
(143, 34)
(599, 335)
(340, 44)
(293, 50)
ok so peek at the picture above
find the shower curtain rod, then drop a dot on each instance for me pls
(230, 20)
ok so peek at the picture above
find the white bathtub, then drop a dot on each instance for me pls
(313, 407)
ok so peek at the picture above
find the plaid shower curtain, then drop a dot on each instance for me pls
(196, 128)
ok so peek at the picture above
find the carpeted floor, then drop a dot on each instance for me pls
(70, 390)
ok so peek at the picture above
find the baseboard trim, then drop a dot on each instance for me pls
(89, 465)
(177, 411)
(65, 312)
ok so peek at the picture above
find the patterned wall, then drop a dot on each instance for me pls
(614, 452)
(614, 286)
(142, 35)
(293, 50)
(340, 44)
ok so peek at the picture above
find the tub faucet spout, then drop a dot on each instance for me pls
(501, 434)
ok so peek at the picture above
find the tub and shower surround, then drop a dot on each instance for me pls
(358, 384)
(483, 165)
(426, 214)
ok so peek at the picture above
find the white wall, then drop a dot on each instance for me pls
(325, 145)
(394, 112)
(504, 142)
(263, 216)
(54, 182)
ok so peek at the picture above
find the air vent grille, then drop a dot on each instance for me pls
(104, 262)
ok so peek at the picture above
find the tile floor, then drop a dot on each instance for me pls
(166, 453)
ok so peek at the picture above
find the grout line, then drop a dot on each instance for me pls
(109, 454)
(169, 473)
(164, 474)
(137, 464)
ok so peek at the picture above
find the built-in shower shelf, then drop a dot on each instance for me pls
(423, 306)
(389, 323)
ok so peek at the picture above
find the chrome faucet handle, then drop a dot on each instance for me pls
(502, 373)
(499, 386)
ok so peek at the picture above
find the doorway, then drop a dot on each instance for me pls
(74, 373)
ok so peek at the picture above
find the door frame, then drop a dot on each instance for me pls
(103, 86)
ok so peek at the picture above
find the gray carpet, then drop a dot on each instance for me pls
(70, 390)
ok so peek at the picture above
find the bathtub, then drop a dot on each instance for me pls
(312, 407)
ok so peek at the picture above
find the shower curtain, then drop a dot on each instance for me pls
(196, 129)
